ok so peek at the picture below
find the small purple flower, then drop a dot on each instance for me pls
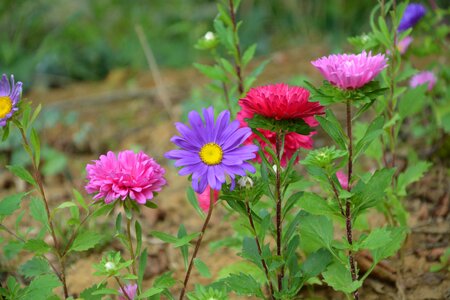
(211, 150)
(403, 44)
(422, 78)
(9, 97)
(413, 13)
(130, 290)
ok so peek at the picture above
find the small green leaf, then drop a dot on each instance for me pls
(22, 173)
(202, 268)
(318, 229)
(164, 237)
(80, 199)
(34, 267)
(192, 198)
(37, 246)
(340, 279)
(212, 72)
(142, 266)
(374, 130)
(85, 240)
(260, 122)
(316, 263)
(184, 249)
(186, 239)
(377, 238)
(332, 127)
(398, 235)
(150, 292)
(38, 212)
(138, 230)
(41, 287)
(412, 174)
(10, 204)
(413, 101)
(248, 55)
(36, 144)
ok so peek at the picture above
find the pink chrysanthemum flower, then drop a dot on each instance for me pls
(343, 179)
(204, 198)
(130, 290)
(281, 102)
(403, 44)
(422, 78)
(350, 71)
(129, 175)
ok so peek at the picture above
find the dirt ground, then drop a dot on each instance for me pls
(123, 113)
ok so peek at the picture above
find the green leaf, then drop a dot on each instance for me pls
(142, 266)
(366, 195)
(41, 287)
(248, 55)
(138, 230)
(22, 173)
(85, 240)
(412, 174)
(398, 235)
(88, 293)
(377, 238)
(10, 204)
(340, 279)
(413, 101)
(374, 130)
(316, 263)
(37, 246)
(80, 199)
(202, 268)
(150, 292)
(164, 236)
(38, 212)
(316, 205)
(192, 198)
(6, 132)
(260, 122)
(36, 144)
(65, 205)
(332, 127)
(184, 249)
(164, 281)
(318, 229)
(186, 239)
(244, 285)
(105, 291)
(250, 251)
(212, 72)
(34, 267)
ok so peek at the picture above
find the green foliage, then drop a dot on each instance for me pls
(10, 204)
(85, 241)
(35, 267)
(202, 268)
(201, 293)
(340, 279)
(243, 285)
(41, 287)
(295, 125)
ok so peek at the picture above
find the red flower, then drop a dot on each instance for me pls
(280, 102)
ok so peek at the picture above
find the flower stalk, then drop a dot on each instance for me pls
(197, 245)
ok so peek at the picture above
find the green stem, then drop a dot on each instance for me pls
(237, 61)
(130, 243)
(279, 224)
(198, 243)
(122, 288)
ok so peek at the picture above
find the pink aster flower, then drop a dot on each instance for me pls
(343, 179)
(422, 78)
(130, 290)
(204, 198)
(127, 175)
(350, 71)
(403, 44)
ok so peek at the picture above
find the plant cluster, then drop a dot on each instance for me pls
(250, 158)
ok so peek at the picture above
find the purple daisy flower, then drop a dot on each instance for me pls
(413, 13)
(9, 97)
(211, 150)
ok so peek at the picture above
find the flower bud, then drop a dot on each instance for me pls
(245, 182)
(110, 266)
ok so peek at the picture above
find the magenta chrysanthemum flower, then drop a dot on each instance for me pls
(130, 290)
(422, 78)
(413, 13)
(9, 97)
(127, 175)
(211, 150)
(204, 198)
(350, 71)
(280, 102)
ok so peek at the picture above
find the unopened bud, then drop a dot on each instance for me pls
(110, 266)
(209, 36)
(245, 182)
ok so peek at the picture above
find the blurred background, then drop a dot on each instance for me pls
(55, 42)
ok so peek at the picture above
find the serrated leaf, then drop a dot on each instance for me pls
(315, 263)
(34, 267)
(398, 235)
(37, 246)
(340, 279)
(85, 240)
(316, 205)
(295, 125)
(22, 173)
(412, 174)
(164, 281)
(202, 268)
(412, 101)
(244, 285)
(10, 204)
(317, 229)
(377, 238)
(41, 287)
(88, 293)
(250, 251)
(38, 212)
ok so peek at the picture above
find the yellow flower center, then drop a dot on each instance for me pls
(5, 106)
(211, 154)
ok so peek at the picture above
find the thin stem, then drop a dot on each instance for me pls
(197, 245)
(24, 241)
(336, 194)
(258, 245)
(279, 225)
(227, 97)
(37, 177)
(130, 242)
(237, 62)
(348, 223)
(122, 288)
